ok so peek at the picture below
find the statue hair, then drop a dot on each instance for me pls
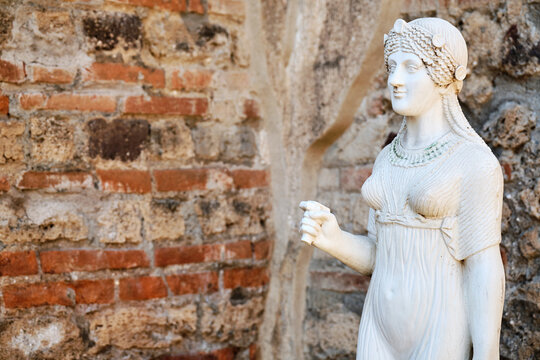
(456, 46)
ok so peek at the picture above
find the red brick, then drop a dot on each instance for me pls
(57, 262)
(507, 171)
(251, 109)
(52, 75)
(4, 105)
(244, 179)
(126, 73)
(94, 291)
(32, 101)
(238, 250)
(59, 181)
(262, 249)
(339, 281)
(181, 179)
(59, 293)
(196, 6)
(191, 80)
(77, 102)
(245, 277)
(10, 72)
(353, 178)
(221, 354)
(18, 263)
(28, 295)
(4, 184)
(171, 5)
(186, 255)
(142, 288)
(253, 351)
(125, 181)
(202, 283)
(166, 105)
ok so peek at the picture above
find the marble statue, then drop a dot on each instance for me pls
(435, 198)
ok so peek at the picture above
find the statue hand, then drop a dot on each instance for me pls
(319, 225)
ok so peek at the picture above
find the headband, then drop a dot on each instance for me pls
(441, 66)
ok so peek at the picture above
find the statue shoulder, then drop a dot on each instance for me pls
(478, 162)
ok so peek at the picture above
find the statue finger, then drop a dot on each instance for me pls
(309, 239)
(308, 229)
(319, 216)
(311, 205)
(308, 221)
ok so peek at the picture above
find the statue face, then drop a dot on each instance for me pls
(412, 91)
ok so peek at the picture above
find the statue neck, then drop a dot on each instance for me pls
(426, 128)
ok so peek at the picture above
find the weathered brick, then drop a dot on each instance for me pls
(52, 75)
(125, 181)
(191, 79)
(122, 139)
(4, 184)
(251, 109)
(353, 178)
(233, 8)
(59, 293)
(166, 105)
(32, 101)
(339, 281)
(201, 283)
(171, 5)
(181, 179)
(57, 262)
(221, 354)
(4, 105)
(196, 6)
(10, 72)
(94, 291)
(142, 288)
(105, 31)
(14, 263)
(244, 179)
(70, 102)
(77, 102)
(238, 250)
(245, 277)
(262, 249)
(186, 254)
(29, 295)
(126, 73)
(57, 181)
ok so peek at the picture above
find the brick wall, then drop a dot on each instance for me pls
(134, 196)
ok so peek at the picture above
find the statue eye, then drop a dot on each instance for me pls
(412, 68)
(391, 68)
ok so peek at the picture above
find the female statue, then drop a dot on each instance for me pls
(435, 198)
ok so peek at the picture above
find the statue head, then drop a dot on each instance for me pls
(432, 58)
(438, 44)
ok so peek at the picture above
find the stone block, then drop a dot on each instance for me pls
(105, 31)
(52, 140)
(171, 140)
(142, 327)
(236, 324)
(11, 148)
(163, 220)
(122, 139)
(119, 222)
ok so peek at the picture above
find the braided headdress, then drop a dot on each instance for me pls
(430, 48)
(442, 66)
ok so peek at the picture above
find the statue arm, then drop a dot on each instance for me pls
(355, 251)
(320, 225)
(484, 286)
